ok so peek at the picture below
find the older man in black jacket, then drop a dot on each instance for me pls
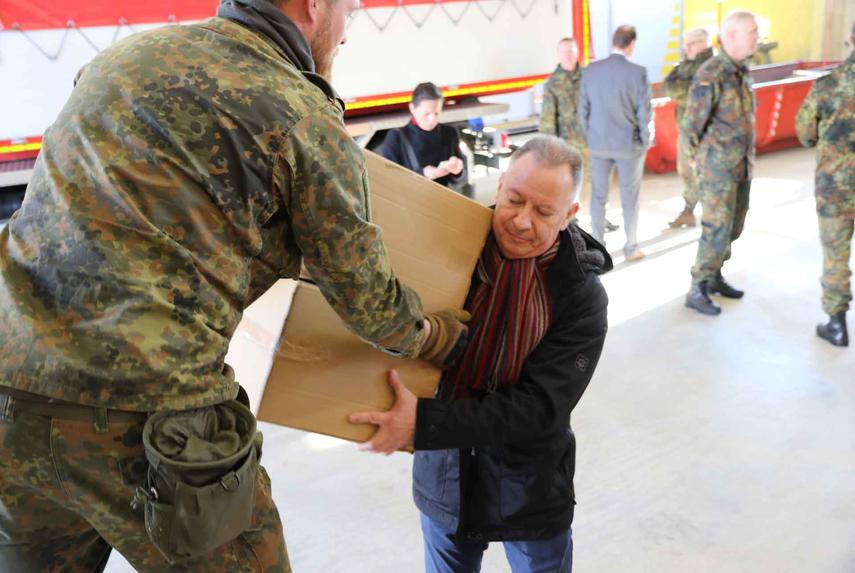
(495, 453)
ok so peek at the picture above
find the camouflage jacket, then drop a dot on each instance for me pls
(827, 120)
(191, 168)
(559, 115)
(679, 81)
(718, 124)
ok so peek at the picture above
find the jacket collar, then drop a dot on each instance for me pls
(739, 67)
(567, 267)
(264, 18)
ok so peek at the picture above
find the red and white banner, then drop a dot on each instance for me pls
(52, 14)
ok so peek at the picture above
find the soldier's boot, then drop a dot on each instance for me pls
(685, 219)
(834, 331)
(720, 286)
(699, 299)
(610, 227)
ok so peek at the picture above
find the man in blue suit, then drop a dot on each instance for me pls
(614, 108)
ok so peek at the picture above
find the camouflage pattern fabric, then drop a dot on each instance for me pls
(718, 132)
(64, 501)
(679, 80)
(725, 205)
(691, 193)
(836, 236)
(191, 168)
(559, 115)
(826, 119)
(718, 124)
(677, 86)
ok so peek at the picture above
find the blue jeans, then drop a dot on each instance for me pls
(445, 555)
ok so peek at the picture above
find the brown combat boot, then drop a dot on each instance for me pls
(685, 219)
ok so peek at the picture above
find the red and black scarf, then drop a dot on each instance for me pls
(511, 310)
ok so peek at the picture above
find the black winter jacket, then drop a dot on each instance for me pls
(511, 455)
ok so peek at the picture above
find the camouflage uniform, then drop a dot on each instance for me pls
(718, 129)
(827, 120)
(559, 115)
(677, 86)
(191, 168)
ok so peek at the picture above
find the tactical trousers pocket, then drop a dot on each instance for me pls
(200, 486)
(192, 521)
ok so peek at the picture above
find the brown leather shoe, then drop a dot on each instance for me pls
(685, 219)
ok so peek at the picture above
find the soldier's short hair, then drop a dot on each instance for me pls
(567, 39)
(551, 151)
(426, 91)
(735, 18)
(697, 34)
(624, 36)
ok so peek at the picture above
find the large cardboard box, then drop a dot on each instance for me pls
(320, 371)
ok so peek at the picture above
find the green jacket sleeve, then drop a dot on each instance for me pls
(807, 119)
(699, 108)
(343, 251)
(549, 112)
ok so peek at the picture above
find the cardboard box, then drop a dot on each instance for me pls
(321, 372)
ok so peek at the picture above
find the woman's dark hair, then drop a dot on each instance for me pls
(426, 92)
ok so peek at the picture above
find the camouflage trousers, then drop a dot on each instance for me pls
(725, 204)
(835, 233)
(690, 181)
(65, 492)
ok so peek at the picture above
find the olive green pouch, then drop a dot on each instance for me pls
(200, 486)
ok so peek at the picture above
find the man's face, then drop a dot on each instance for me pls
(533, 204)
(568, 55)
(427, 113)
(333, 16)
(743, 39)
(694, 46)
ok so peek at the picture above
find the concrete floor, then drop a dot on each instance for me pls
(722, 444)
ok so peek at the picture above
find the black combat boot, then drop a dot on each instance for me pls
(835, 330)
(699, 299)
(719, 286)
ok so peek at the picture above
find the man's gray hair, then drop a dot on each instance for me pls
(551, 151)
(735, 18)
(698, 34)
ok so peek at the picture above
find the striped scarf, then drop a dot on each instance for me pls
(511, 311)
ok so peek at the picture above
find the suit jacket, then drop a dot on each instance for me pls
(614, 107)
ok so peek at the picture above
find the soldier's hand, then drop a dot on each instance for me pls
(395, 428)
(446, 337)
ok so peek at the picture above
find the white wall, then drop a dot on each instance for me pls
(33, 87)
(475, 50)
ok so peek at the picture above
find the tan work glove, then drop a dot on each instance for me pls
(447, 338)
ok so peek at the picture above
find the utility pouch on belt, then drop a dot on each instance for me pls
(200, 487)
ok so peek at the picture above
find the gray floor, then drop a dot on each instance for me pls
(720, 444)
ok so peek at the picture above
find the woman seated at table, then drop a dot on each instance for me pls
(424, 145)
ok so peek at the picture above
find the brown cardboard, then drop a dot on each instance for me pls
(321, 372)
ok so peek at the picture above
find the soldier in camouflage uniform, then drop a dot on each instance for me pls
(191, 168)
(559, 115)
(827, 120)
(718, 129)
(696, 50)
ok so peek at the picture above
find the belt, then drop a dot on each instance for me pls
(45, 406)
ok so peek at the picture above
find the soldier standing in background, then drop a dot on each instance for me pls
(718, 130)
(827, 120)
(191, 168)
(559, 114)
(697, 50)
